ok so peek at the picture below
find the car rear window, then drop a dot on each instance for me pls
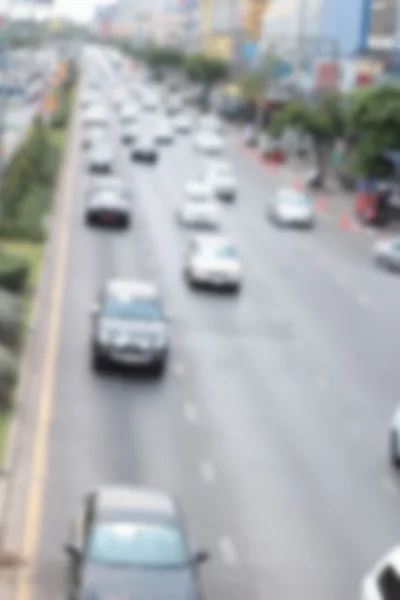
(142, 544)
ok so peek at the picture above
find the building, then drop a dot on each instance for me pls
(288, 22)
(384, 25)
(347, 23)
(218, 26)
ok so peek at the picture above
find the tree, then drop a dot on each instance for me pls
(324, 121)
(206, 71)
(374, 122)
(252, 87)
(159, 57)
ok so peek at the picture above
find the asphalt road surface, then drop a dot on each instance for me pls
(271, 424)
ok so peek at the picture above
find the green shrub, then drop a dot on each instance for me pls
(22, 231)
(8, 376)
(14, 272)
(11, 318)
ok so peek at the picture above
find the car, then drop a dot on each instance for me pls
(203, 214)
(150, 102)
(383, 581)
(88, 99)
(182, 124)
(291, 208)
(198, 189)
(174, 105)
(130, 327)
(210, 122)
(213, 260)
(131, 541)
(164, 133)
(109, 183)
(220, 176)
(130, 134)
(250, 136)
(101, 158)
(108, 207)
(120, 97)
(386, 254)
(208, 142)
(145, 150)
(128, 116)
(95, 116)
(93, 136)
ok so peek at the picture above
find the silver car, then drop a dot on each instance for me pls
(129, 327)
(387, 254)
(291, 208)
(212, 260)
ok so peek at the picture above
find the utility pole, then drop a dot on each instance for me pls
(302, 27)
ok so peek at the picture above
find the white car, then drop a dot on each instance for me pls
(211, 122)
(101, 158)
(150, 102)
(213, 260)
(222, 180)
(130, 134)
(201, 215)
(164, 133)
(128, 115)
(383, 581)
(95, 116)
(291, 208)
(387, 254)
(209, 142)
(198, 189)
(183, 124)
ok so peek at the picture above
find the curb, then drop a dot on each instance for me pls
(26, 375)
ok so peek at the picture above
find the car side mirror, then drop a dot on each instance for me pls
(201, 557)
(73, 550)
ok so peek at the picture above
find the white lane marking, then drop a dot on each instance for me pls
(389, 485)
(228, 551)
(363, 300)
(190, 412)
(207, 472)
(178, 369)
(321, 382)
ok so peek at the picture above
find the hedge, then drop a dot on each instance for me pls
(8, 376)
(11, 318)
(14, 272)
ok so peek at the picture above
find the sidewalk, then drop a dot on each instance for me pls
(334, 203)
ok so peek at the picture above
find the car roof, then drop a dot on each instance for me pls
(288, 192)
(122, 499)
(128, 288)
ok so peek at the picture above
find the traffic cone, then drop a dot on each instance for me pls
(298, 185)
(345, 221)
(321, 204)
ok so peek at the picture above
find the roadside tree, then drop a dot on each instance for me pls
(324, 121)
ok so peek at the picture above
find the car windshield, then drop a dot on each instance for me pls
(224, 251)
(140, 309)
(138, 544)
(293, 199)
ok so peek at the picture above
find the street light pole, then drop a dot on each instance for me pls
(301, 26)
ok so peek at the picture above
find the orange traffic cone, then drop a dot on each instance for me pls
(321, 204)
(345, 221)
(298, 185)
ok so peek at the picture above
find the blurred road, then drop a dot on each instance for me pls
(271, 424)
